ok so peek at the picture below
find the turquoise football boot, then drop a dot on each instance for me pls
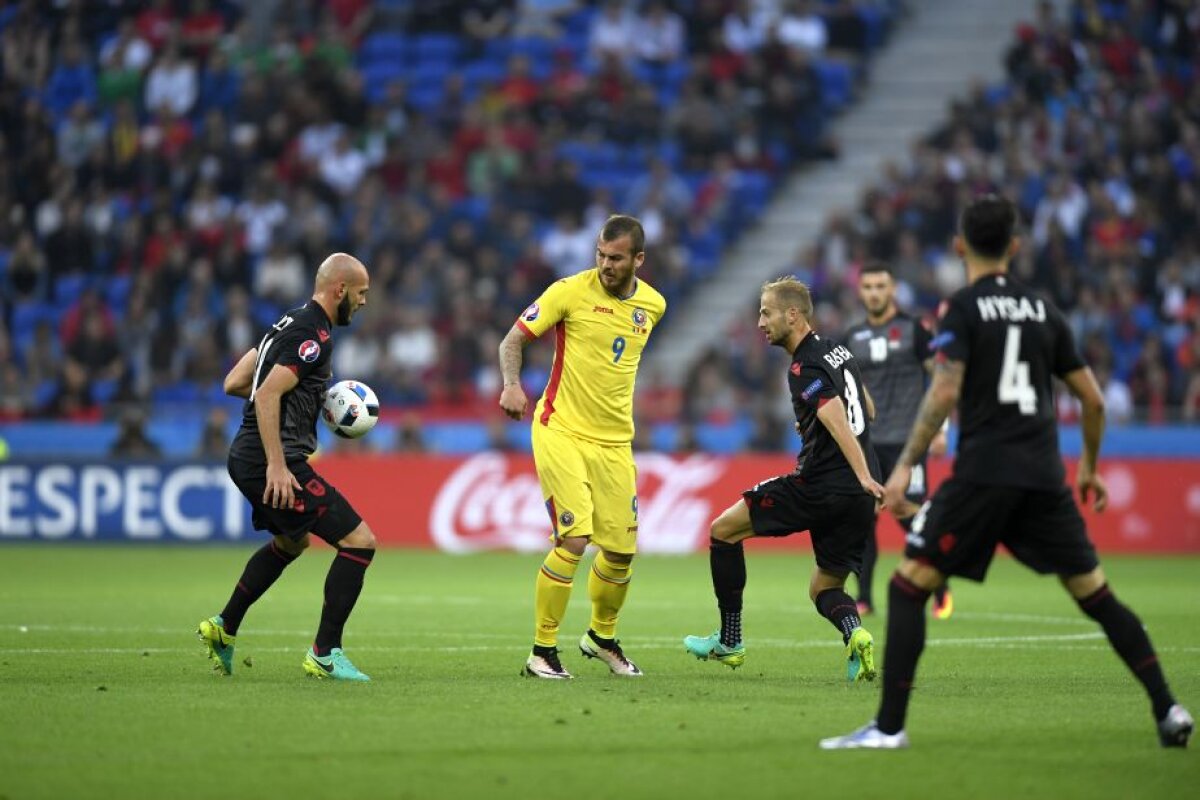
(335, 665)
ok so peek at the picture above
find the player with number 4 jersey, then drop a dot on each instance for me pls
(998, 346)
(831, 494)
(582, 437)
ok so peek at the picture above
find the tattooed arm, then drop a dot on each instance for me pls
(939, 401)
(512, 396)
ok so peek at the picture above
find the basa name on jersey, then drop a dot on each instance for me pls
(300, 341)
(1013, 342)
(598, 345)
(822, 370)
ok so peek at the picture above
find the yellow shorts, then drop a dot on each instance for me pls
(590, 489)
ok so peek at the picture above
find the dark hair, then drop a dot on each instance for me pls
(619, 225)
(989, 224)
(875, 265)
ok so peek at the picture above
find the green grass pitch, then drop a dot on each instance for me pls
(104, 691)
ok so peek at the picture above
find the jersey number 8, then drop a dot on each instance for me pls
(854, 409)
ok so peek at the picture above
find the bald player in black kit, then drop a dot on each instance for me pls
(284, 380)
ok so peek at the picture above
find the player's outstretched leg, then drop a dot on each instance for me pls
(262, 570)
(551, 593)
(608, 583)
(840, 609)
(727, 563)
(1127, 636)
(343, 584)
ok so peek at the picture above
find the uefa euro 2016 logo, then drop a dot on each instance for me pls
(309, 351)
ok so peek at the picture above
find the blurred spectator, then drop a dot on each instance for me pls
(409, 435)
(612, 31)
(568, 247)
(132, 440)
(281, 276)
(214, 440)
(172, 83)
(660, 37)
(543, 18)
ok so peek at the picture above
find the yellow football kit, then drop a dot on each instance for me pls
(583, 423)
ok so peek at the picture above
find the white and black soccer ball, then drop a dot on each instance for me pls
(351, 409)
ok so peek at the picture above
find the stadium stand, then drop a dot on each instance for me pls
(1096, 133)
(171, 171)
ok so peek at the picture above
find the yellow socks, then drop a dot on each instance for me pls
(551, 595)
(608, 583)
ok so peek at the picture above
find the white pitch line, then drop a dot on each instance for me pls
(641, 645)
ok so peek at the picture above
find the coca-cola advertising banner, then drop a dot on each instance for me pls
(493, 501)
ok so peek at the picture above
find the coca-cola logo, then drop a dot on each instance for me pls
(491, 502)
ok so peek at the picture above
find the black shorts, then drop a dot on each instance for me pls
(838, 523)
(918, 485)
(319, 507)
(957, 531)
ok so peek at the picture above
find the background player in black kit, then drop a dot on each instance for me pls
(283, 380)
(998, 345)
(892, 349)
(832, 492)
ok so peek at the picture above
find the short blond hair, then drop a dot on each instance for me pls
(792, 292)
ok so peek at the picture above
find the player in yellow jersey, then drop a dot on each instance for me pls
(582, 434)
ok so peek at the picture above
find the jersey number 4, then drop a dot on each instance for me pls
(1014, 384)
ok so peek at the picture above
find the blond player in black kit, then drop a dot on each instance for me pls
(831, 493)
(998, 346)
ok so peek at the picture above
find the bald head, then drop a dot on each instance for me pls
(341, 286)
(340, 268)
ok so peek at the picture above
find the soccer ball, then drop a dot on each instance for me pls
(351, 409)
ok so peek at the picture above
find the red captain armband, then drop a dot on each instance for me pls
(525, 330)
(821, 401)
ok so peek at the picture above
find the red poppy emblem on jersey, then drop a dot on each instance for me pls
(639, 317)
(323, 335)
(531, 313)
(795, 369)
(309, 351)
(894, 333)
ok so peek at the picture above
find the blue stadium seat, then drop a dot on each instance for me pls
(177, 393)
(837, 83)
(104, 390)
(26, 316)
(485, 70)
(383, 47)
(68, 289)
(44, 392)
(440, 47)
(116, 291)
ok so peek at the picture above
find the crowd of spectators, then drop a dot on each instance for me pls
(171, 172)
(1096, 135)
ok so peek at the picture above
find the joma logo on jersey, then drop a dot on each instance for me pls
(602, 310)
(838, 356)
